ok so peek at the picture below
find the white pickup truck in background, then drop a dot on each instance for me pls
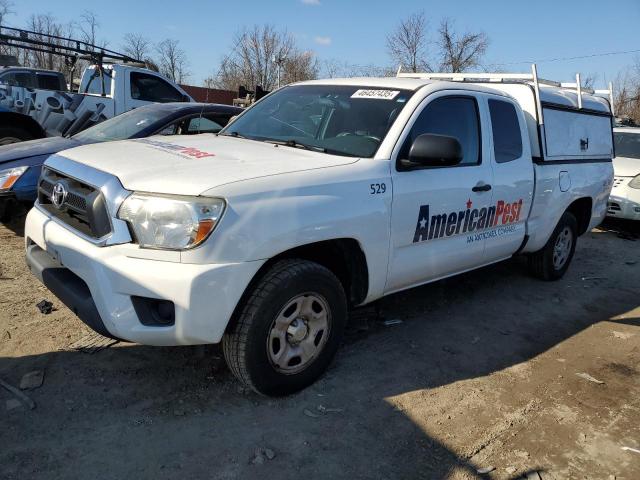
(29, 113)
(322, 196)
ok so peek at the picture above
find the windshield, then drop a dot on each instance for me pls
(627, 144)
(336, 119)
(122, 126)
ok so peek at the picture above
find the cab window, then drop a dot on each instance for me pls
(507, 139)
(452, 116)
(94, 85)
(49, 81)
(153, 89)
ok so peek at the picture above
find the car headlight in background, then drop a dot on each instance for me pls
(171, 222)
(10, 176)
(635, 183)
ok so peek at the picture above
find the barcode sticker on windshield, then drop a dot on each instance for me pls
(379, 94)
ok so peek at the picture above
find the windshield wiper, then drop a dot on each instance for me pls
(231, 134)
(297, 144)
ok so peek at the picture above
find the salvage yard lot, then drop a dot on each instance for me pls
(481, 372)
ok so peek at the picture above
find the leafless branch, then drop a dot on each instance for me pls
(172, 60)
(408, 43)
(460, 52)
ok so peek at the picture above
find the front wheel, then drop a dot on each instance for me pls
(288, 329)
(9, 135)
(552, 261)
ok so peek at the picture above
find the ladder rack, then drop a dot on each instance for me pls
(514, 78)
(66, 47)
(69, 48)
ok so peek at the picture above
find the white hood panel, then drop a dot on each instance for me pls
(626, 167)
(191, 165)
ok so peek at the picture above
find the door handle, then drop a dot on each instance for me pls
(481, 188)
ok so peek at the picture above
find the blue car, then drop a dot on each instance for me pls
(20, 163)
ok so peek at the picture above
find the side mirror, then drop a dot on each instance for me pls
(431, 150)
(186, 98)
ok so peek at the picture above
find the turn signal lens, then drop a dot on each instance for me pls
(9, 177)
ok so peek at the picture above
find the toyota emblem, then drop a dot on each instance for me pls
(58, 195)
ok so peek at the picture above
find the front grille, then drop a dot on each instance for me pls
(82, 208)
(613, 207)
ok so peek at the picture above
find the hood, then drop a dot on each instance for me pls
(32, 148)
(626, 167)
(191, 165)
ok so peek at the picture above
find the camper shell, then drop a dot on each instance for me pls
(566, 122)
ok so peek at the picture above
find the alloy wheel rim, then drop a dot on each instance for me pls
(562, 248)
(299, 333)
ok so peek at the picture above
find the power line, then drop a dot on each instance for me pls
(564, 59)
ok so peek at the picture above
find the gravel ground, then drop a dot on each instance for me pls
(488, 370)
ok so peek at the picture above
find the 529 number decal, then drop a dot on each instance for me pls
(377, 188)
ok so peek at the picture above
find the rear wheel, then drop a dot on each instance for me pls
(288, 328)
(552, 261)
(10, 135)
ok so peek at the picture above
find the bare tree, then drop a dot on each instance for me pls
(627, 93)
(407, 45)
(589, 80)
(42, 25)
(333, 68)
(5, 10)
(261, 53)
(137, 46)
(172, 60)
(460, 52)
(299, 66)
(88, 29)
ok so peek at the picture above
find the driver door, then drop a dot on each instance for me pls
(437, 211)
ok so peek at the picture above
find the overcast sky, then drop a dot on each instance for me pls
(354, 31)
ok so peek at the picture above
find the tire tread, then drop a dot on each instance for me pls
(235, 341)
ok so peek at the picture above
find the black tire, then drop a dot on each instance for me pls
(246, 343)
(10, 135)
(542, 263)
(5, 211)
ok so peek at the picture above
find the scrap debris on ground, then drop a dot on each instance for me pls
(491, 374)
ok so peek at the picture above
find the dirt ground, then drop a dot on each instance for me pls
(482, 372)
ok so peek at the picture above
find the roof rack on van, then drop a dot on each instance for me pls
(514, 77)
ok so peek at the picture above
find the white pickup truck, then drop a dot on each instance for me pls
(27, 113)
(322, 196)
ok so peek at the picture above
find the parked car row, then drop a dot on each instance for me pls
(21, 163)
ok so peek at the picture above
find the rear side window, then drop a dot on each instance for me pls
(452, 116)
(48, 81)
(205, 125)
(507, 139)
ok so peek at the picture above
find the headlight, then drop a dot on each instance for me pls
(10, 176)
(635, 183)
(171, 222)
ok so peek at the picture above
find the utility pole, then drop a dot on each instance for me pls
(279, 61)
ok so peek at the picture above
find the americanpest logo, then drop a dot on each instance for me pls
(431, 227)
(179, 149)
